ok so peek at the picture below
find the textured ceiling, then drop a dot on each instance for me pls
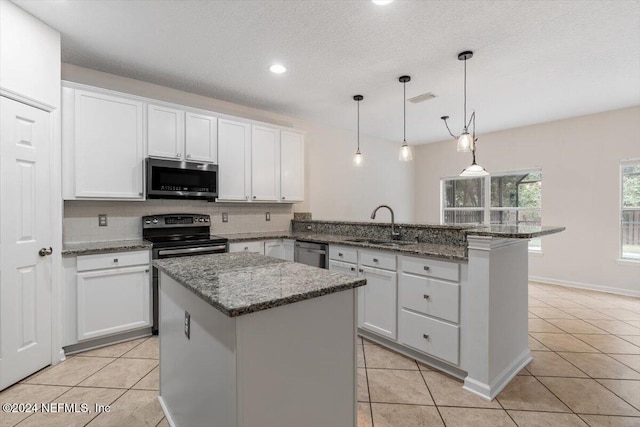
(534, 61)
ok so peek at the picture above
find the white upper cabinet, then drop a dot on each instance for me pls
(265, 164)
(103, 138)
(201, 138)
(165, 132)
(291, 167)
(234, 158)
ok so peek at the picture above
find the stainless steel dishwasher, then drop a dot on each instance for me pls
(314, 254)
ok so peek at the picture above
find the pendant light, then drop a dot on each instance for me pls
(357, 158)
(405, 150)
(467, 141)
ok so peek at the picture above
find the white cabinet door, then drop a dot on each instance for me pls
(165, 132)
(343, 267)
(201, 138)
(291, 167)
(113, 300)
(109, 146)
(274, 249)
(379, 305)
(265, 163)
(252, 247)
(234, 167)
(288, 249)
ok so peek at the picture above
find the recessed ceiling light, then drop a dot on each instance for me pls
(382, 2)
(277, 69)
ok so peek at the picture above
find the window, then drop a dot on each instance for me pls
(630, 210)
(515, 198)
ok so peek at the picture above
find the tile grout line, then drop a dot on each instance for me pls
(366, 375)
(424, 380)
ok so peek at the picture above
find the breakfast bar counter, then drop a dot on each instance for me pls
(248, 340)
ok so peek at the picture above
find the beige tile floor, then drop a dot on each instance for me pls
(585, 372)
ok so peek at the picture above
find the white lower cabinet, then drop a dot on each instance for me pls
(379, 305)
(274, 249)
(106, 294)
(113, 300)
(288, 249)
(277, 248)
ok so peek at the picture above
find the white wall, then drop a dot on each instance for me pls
(334, 188)
(580, 160)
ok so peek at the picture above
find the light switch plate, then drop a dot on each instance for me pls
(102, 220)
(225, 217)
(267, 216)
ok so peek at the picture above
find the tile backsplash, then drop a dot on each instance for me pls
(124, 219)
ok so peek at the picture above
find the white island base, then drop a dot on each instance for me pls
(289, 366)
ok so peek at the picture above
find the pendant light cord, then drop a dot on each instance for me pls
(404, 114)
(358, 125)
(465, 95)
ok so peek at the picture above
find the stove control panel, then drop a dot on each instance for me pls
(176, 220)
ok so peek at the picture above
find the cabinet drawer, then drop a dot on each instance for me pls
(378, 260)
(254, 247)
(431, 267)
(430, 336)
(343, 267)
(115, 259)
(430, 296)
(340, 253)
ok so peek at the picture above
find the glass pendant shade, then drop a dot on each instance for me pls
(357, 159)
(465, 142)
(474, 170)
(405, 152)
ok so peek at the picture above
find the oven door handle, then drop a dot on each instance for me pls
(191, 250)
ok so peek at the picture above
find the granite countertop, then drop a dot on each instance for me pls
(86, 248)
(514, 231)
(243, 283)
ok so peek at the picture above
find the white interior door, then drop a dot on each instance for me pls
(25, 276)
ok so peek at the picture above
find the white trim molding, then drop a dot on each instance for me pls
(587, 286)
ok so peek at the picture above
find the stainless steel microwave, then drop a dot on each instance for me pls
(173, 179)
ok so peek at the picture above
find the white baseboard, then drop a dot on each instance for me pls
(167, 415)
(490, 391)
(588, 286)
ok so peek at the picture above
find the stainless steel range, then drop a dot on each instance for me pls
(177, 235)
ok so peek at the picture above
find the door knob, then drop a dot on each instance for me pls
(45, 251)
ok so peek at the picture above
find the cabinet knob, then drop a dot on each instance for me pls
(353, 269)
(115, 260)
(426, 297)
(178, 155)
(246, 248)
(361, 270)
(340, 254)
(425, 336)
(375, 260)
(147, 270)
(426, 268)
(254, 197)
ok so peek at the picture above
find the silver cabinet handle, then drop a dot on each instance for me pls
(147, 270)
(425, 336)
(115, 260)
(426, 296)
(340, 254)
(45, 251)
(254, 197)
(140, 194)
(246, 248)
(282, 197)
(179, 155)
(426, 268)
(361, 270)
(375, 260)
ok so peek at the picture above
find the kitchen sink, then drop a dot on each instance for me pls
(380, 242)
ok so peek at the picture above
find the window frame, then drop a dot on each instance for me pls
(487, 208)
(626, 162)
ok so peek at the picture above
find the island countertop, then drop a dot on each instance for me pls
(243, 283)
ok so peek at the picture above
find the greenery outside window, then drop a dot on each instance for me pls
(514, 198)
(630, 210)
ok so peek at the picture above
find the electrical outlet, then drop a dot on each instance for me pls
(308, 228)
(102, 220)
(225, 217)
(187, 325)
(267, 216)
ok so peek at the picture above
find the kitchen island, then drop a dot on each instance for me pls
(248, 340)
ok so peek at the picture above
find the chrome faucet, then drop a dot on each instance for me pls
(394, 233)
